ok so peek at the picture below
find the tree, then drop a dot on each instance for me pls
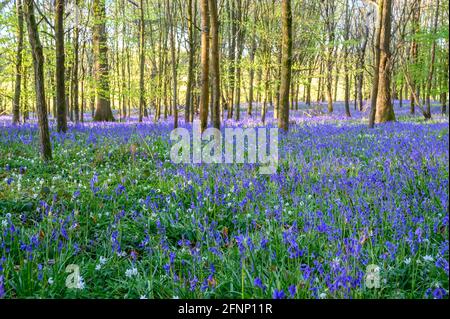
(174, 62)
(384, 107)
(427, 112)
(16, 101)
(376, 65)
(61, 108)
(141, 60)
(190, 79)
(38, 65)
(204, 99)
(414, 51)
(103, 110)
(215, 68)
(286, 64)
(346, 68)
(330, 25)
(75, 78)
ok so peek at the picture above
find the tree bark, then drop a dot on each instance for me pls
(76, 106)
(215, 67)
(346, 62)
(141, 60)
(286, 63)
(374, 93)
(17, 89)
(38, 65)
(204, 99)
(61, 107)
(427, 112)
(190, 78)
(103, 110)
(384, 108)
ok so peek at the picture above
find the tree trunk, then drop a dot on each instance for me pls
(61, 108)
(384, 108)
(204, 100)
(231, 57)
(374, 93)
(17, 89)
(215, 67)
(346, 68)
(76, 106)
(427, 112)
(414, 52)
(141, 60)
(190, 79)
(103, 110)
(38, 64)
(286, 62)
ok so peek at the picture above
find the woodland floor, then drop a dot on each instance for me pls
(139, 226)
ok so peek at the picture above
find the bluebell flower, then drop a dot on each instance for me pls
(278, 294)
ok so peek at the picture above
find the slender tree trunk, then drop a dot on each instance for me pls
(375, 82)
(308, 85)
(427, 112)
(61, 107)
(414, 52)
(329, 21)
(384, 108)
(204, 100)
(444, 91)
(190, 79)
(174, 64)
(346, 62)
(215, 67)
(141, 60)
(103, 110)
(286, 62)
(17, 89)
(38, 64)
(252, 67)
(231, 58)
(239, 48)
(76, 106)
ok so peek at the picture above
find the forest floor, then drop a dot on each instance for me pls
(345, 201)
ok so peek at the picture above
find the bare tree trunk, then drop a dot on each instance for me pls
(374, 93)
(346, 68)
(231, 57)
(103, 110)
(215, 68)
(286, 63)
(330, 26)
(38, 64)
(141, 60)
(204, 100)
(427, 112)
(190, 79)
(17, 89)
(76, 106)
(61, 107)
(252, 67)
(384, 108)
(414, 52)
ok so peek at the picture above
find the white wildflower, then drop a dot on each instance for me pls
(81, 284)
(131, 272)
(103, 260)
